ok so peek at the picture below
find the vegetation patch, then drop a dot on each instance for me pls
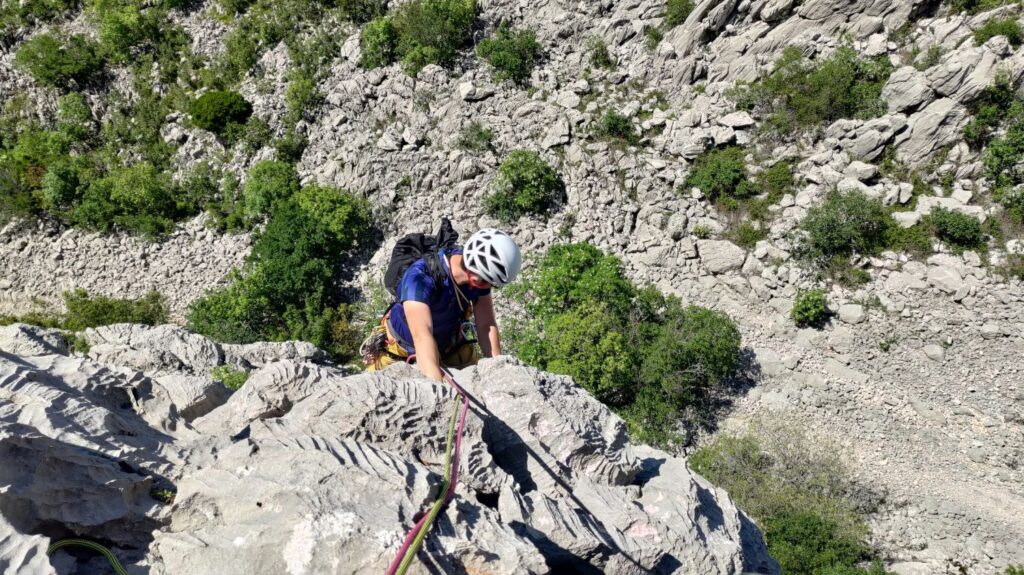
(802, 94)
(525, 185)
(221, 112)
(721, 172)
(677, 11)
(1008, 27)
(810, 309)
(474, 137)
(598, 54)
(617, 128)
(654, 360)
(267, 183)
(85, 311)
(800, 492)
(232, 377)
(419, 33)
(66, 64)
(287, 288)
(511, 53)
(959, 231)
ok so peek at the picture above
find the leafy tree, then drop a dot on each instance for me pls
(378, 43)
(60, 64)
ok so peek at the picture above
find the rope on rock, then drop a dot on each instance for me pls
(413, 540)
(118, 569)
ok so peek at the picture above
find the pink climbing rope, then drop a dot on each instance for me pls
(416, 535)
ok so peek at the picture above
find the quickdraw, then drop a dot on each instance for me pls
(118, 569)
(414, 539)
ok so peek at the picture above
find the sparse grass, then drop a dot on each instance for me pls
(676, 12)
(801, 95)
(598, 54)
(1008, 27)
(474, 137)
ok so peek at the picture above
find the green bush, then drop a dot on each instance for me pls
(432, 32)
(232, 377)
(975, 6)
(74, 118)
(1008, 27)
(846, 224)
(512, 53)
(474, 137)
(646, 355)
(220, 111)
(65, 182)
(599, 55)
(84, 311)
(235, 6)
(287, 288)
(137, 198)
(676, 12)
(721, 172)
(747, 234)
(378, 44)
(959, 231)
(800, 94)
(336, 210)
(810, 308)
(361, 11)
(525, 185)
(988, 111)
(60, 64)
(915, 240)
(123, 25)
(267, 183)
(800, 493)
(617, 127)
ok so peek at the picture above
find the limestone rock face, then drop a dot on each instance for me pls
(307, 469)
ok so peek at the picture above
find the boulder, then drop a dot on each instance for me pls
(25, 339)
(852, 313)
(936, 126)
(945, 278)
(907, 90)
(720, 255)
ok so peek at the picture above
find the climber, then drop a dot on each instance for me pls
(437, 294)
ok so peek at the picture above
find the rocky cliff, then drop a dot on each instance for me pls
(308, 469)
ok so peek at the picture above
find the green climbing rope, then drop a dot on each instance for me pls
(118, 569)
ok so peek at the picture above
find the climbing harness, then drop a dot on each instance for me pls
(118, 569)
(413, 540)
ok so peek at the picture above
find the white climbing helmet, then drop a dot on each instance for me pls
(494, 256)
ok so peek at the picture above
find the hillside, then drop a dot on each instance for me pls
(733, 153)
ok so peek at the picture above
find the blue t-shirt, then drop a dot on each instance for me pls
(417, 285)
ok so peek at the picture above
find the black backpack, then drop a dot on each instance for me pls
(412, 247)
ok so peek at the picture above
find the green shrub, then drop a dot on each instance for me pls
(123, 25)
(378, 44)
(232, 377)
(432, 31)
(267, 183)
(1008, 27)
(975, 6)
(959, 231)
(1015, 570)
(525, 185)
(800, 493)
(300, 96)
(676, 12)
(220, 111)
(474, 137)
(988, 111)
(60, 64)
(74, 118)
(915, 240)
(599, 55)
(235, 6)
(846, 224)
(65, 182)
(810, 308)
(336, 210)
(137, 198)
(747, 234)
(287, 288)
(291, 146)
(654, 37)
(801, 94)
(646, 355)
(721, 172)
(84, 311)
(617, 127)
(512, 53)
(361, 11)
